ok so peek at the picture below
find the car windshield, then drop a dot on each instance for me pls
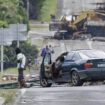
(92, 54)
(69, 56)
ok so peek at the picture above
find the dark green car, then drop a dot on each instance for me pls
(76, 67)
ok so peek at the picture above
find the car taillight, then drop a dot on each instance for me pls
(88, 65)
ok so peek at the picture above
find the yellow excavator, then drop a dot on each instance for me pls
(74, 26)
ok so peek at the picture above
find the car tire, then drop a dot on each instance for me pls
(44, 83)
(76, 79)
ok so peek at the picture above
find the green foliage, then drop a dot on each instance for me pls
(7, 94)
(27, 49)
(41, 9)
(35, 6)
(49, 7)
(12, 12)
(3, 24)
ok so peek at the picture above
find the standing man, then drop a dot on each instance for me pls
(21, 60)
(44, 51)
(36, 63)
(30, 63)
(52, 17)
(51, 51)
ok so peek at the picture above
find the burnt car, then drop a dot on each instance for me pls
(76, 67)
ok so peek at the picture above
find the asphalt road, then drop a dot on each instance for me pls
(92, 95)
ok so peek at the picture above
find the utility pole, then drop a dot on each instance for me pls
(18, 35)
(2, 68)
(2, 47)
(28, 8)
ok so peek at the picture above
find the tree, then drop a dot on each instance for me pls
(35, 6)
(12, 11)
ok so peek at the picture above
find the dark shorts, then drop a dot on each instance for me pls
(20, 74)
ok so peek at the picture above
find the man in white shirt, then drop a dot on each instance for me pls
(51, 50)
(21, 59)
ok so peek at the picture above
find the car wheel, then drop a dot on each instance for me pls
(76, 79)
(44, 83)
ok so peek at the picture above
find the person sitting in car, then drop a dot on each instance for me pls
(57, 65)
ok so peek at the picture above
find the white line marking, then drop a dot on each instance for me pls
(23, 91)
(89, 43)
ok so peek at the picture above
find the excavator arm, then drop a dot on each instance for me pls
(84, 16)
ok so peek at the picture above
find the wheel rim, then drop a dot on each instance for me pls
(74, 78)
(44, 82)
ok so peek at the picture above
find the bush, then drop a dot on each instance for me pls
(27, 49)
(3, 24)
(48, 8)
(12, 12)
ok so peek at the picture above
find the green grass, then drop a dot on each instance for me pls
(49, 7)
(7, 94)
(11, 71)
(38, 27)
(34, 21)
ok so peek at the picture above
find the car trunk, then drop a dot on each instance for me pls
(97, 63)
(95, 68)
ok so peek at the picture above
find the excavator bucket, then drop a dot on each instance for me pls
(55, 25)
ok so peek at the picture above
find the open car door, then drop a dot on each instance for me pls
(46, 71)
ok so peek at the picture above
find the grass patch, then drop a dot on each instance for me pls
(38, 27)
(10, 71)
(34, 22)
(7, 94)
(49, 7)
(13, 71)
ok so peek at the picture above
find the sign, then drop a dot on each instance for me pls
(18, 32)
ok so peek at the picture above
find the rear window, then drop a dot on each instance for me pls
(92, 54)
(69, 56)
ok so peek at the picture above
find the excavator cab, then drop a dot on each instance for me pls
(58, 25)
(55, 25)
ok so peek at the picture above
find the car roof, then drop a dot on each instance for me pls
(89, 53)
(81, 50)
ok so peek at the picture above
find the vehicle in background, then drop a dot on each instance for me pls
(78, 67)
(75, 23)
